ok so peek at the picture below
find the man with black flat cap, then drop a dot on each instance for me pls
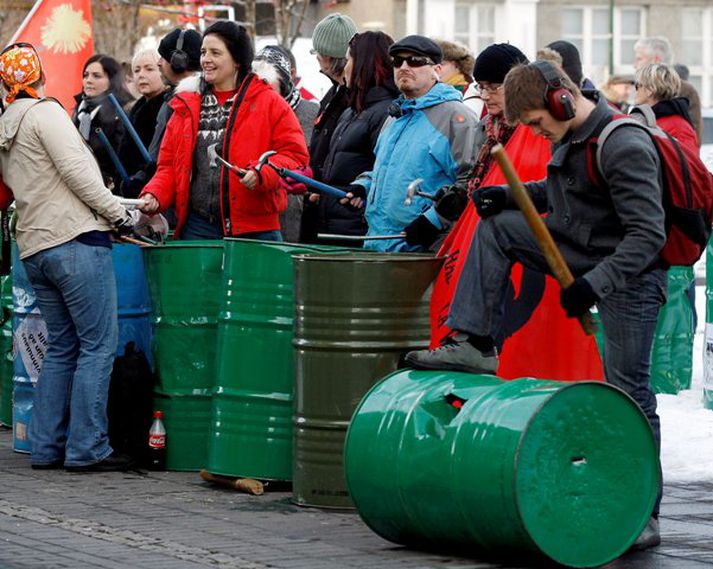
(429, 135)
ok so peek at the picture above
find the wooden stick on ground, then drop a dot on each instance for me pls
(549, 248)
(247, 485)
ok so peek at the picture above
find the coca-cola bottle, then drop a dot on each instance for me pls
(157, 443)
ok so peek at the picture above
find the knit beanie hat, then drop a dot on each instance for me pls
(279, 59)
(192, 41)
(494, 62)
(571, 62)
(331, 36)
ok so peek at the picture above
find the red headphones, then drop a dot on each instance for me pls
(559, 100)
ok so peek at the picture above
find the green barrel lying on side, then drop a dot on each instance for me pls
(251, 419)
(355, 317)
(567, 471)
(185, 287)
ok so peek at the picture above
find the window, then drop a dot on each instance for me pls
(589, 28)
(475, 25)
(697, 50)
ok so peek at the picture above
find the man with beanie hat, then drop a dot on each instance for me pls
(330, 42)
(571, 63)
(429, 135)
(180, 52)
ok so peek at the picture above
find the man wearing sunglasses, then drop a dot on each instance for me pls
(429, 135)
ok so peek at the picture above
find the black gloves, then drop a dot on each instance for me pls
(489, 200)
(126, 225)
(451, 201)
(357, 190)
(577, 298)
(421, 232)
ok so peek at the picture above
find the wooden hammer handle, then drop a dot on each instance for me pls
(549, 248)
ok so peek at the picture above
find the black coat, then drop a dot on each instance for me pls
(108, 120)
(351, 152)
(331, 108)
(143, 118)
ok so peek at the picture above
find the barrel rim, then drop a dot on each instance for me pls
(366, 256)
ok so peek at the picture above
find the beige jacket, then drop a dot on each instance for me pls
(53, 176)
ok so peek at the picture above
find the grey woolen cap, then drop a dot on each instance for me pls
(331, 36)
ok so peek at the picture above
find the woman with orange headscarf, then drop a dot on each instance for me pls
(64, 215)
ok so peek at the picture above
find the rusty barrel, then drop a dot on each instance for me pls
(355, 317)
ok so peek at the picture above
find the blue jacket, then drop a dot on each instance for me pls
(433, 139)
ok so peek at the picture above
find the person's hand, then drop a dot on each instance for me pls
(451, 201)
(578, 298)
(356, 196)
(313, 197)
(249, 180)
(126, 225)
(294, 187)
(489, 200)
(421, 232)
(151, 204)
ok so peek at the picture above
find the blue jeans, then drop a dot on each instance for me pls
(198, 227)
(76, 293)
(628, 315)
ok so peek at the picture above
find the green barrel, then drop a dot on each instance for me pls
(503, 469)
(251, 422)
(672, 356)
(708, 337)
(184, 284)
(672, 352)
(6, 351)
(356, 316)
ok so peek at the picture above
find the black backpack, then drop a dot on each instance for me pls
(130, 405)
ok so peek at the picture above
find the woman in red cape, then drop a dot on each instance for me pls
(540, 341)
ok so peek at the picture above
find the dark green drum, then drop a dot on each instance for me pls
(185, 287)
(356, 316)
(503, 469)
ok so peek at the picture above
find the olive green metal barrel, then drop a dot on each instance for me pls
(185, 287)
(6, 365)
(355, 317)
(504, 470)
(251, 422)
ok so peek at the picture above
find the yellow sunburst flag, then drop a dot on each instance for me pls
(66, 30)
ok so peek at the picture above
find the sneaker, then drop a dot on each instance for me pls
(650, 537)
(112, 463)
(456, 356)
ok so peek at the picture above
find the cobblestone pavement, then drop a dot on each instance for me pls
(54, 519)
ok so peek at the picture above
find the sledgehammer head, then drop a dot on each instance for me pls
(213, 155)
(413, 189)
(264, 157)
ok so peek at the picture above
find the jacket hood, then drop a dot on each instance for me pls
(10, 120)
(439, 93)
(191, 95)
(678, 106)
(190, 84)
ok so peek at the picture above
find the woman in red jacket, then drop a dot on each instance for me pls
(658, 85)
(245, 117)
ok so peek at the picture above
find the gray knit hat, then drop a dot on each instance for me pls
(331, 36)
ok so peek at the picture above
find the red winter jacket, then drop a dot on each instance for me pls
(680, 129)
(263, 121)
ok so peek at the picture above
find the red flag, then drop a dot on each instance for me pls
(61, 32)
(540, 340)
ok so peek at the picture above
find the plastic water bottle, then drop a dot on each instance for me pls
(157, 443)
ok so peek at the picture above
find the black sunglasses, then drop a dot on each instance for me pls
(411, 60)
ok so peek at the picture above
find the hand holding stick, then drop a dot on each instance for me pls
(549, 248)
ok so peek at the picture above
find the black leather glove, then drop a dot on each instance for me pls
(357, 190)
(126, 225)
(577, 298)
(451, 201)
(489, 200)
(421, 232)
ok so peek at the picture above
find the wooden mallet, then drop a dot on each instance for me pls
(552, 254)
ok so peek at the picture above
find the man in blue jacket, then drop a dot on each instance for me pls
(429, 135)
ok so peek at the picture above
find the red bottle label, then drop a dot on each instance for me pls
(157, 441)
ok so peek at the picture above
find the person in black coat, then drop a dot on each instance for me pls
(150, 85)
(371, 90)
(101, 75)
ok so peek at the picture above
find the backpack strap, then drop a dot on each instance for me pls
(646, 115)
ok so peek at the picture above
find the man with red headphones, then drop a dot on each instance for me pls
(610, 238)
